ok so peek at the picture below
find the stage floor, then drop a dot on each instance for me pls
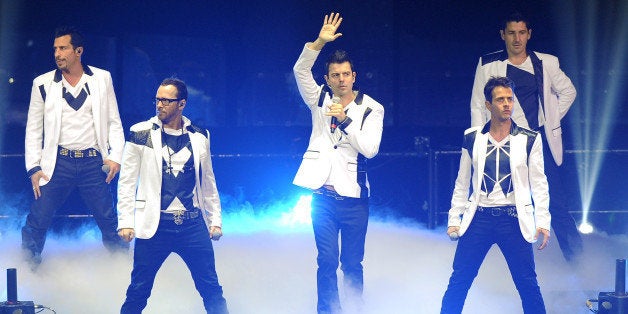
(273, 270)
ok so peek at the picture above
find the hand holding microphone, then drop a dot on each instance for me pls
(453, 234)
(110, 168)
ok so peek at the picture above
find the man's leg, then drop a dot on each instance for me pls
(97, 196)
(563, 193)
(470, 253)
(196, 250)
(148, 257)
(39, 219)
(326, 231)
(353, 217)
(520, 258)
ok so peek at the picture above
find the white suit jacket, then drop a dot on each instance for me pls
(44, 119)
(527, 175)
(558, 93)
(139, 185)
(345, 161)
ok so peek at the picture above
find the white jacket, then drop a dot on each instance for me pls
(528, 180)
(44, 119)
(558, 93)
(361, 136)
(139, 186)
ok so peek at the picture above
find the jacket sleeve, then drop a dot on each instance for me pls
(127, 183)
(34, 130)
(479, 114)
(211, 198)
(308, 88)
(538, 185)
(561, 86)
(460, 197)
(116, 132)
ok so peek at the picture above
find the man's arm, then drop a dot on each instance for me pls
(479, 114)
(365, 137)
(308, 88)
(115, 137)
(460, 197)
(562, 87)
(538, 185)
(127, 183)
(34, 130)
(211, 198)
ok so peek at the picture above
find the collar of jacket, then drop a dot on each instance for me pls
(86, 69)
(514, 128)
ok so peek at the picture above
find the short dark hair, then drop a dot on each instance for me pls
(516, 17)
(339, 56)
(76, 37)
(182, 90)
(497, 81)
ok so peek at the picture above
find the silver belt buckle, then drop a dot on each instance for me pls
(495, 211)
(178, 217)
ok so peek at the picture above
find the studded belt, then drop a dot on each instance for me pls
(499, 210)
(85, 153)
(179, 216)
(329, 192)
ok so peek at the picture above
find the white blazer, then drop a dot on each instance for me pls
(44, 119)
(343, 162)
(528, 179)
(139, 185)
(558, 94)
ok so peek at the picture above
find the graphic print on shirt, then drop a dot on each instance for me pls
(178, 178)
(76, 102)
(527, 92)
(497, 169)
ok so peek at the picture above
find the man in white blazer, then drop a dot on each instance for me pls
(508, 205)
(346, 130)
(168, 200)
(73, 112)
(542, 98)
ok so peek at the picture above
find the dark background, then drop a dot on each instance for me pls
(417, 58)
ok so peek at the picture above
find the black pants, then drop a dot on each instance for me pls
(563, 195)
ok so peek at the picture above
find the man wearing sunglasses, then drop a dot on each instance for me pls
(168, 200)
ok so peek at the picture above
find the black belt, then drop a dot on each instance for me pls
(180, 216)
(85, 153)
(499, 210)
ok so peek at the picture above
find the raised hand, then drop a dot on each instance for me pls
(330, 26)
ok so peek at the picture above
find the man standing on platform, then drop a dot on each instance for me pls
(168, 200)
(346, 130)
(543, 97)
(73, 112)
(503, 162)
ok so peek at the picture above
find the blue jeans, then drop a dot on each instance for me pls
(191, 241)
(349, 217)
(484, 231)
(84, 174)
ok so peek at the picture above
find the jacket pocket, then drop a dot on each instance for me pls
(140, 203)
(311, 154)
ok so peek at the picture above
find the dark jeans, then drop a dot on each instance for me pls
(84, 174)
(191, 241)
(562, 194)
(484, 231)
(349, 217)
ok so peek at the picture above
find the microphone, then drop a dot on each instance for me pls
(454, 236)
(105, 168)
(334, 120)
